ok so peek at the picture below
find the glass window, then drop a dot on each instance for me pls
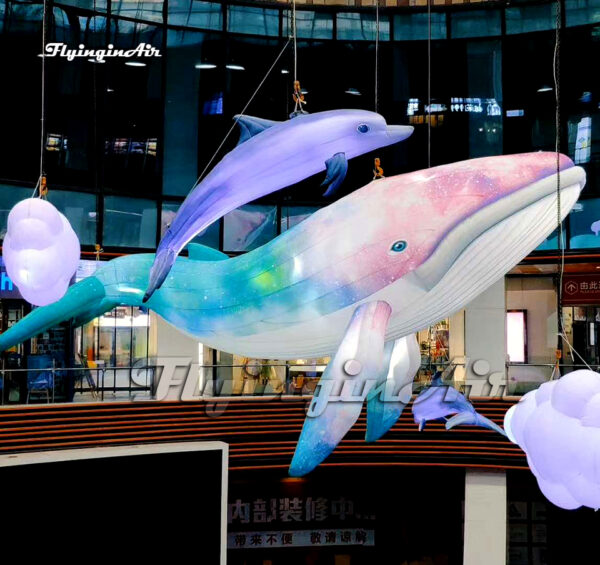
(249, 227)
(209, 236)
(96, 5)
(585, 224)
(475, 23)
(551, 242)
(309, 25)
(530, 18)
(416, 26)
(80, 210)
(293, 215)
(129, 222)
(258, 21)
(195, 13)
(9, 196)
(581, 12)
(356, 25)
(139, 9)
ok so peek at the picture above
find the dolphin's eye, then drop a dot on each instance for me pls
(363, 128)
(399, 246)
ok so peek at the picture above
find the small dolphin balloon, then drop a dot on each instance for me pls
(269, 156)
(438, 401)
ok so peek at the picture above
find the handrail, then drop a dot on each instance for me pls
(150, 367)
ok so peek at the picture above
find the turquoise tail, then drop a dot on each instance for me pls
(78, 303)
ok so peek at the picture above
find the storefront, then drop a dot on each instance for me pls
(358, 517)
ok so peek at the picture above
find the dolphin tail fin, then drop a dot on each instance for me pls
(163, 262)
(339, 396)
(82, 297)
(473, 419)
(402, 359)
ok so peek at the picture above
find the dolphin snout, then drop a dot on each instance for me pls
(399, 133)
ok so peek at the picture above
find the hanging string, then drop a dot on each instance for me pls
(242, 112)
(294, 39)
(376, 56)
(429, 84)
(559, 222)
(556, 76)
(41, 177)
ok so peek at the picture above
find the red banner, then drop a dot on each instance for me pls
(581, 289)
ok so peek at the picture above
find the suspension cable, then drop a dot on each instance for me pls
(429, 84)
(242, 112)
(43, 100)
(376, 56)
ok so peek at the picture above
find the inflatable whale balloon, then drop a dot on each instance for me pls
(355, 280)
(269, 156)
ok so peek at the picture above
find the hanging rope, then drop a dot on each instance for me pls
(429, 84)
(559, 222)
(376, 56)
(41, 182)
(242, 112)
(295, 42)
(556, 75)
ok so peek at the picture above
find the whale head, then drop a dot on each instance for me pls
(457, 228)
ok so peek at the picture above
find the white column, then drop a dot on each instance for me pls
(485, 338)
(185, 351)
(485, 518)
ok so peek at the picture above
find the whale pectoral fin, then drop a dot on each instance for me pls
(338, 398)
(473, 419)
(251, 126)
(337, 167)
(402, 359)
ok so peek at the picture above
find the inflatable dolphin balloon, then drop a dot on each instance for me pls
(269, 156)
(356, 279)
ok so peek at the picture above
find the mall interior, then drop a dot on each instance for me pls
(123, 145)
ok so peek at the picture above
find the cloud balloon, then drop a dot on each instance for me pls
(558, 427)
(40, 251)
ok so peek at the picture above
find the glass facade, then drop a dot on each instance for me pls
(128, 142)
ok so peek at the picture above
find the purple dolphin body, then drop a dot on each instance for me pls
(269, 156)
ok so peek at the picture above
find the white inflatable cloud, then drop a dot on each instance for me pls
(40, 251)
(558, 427)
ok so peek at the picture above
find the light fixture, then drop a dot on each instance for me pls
(110, 90)
(545, 88)
(205, 66)
(233, 67)
(95, 61)
(135, 64)
(353, 91)
(285, 72)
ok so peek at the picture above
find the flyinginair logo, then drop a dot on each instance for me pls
(63, 50)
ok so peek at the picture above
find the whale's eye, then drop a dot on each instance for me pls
(399, 246)
(363, 128)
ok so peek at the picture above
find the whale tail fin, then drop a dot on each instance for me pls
(163, 262)
(78, 303)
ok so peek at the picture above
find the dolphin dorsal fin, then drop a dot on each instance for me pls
(199, 252)
(251, 126)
